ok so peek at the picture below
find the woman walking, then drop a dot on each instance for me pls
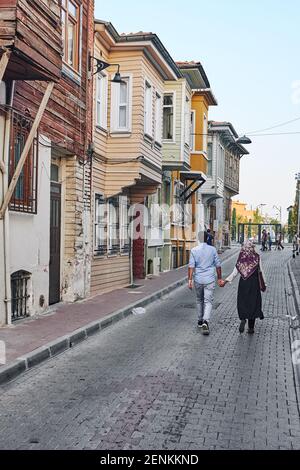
(252, 282)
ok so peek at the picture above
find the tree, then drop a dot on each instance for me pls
(233, 224)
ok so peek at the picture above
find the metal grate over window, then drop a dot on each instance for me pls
(24, 198)
(19, 294)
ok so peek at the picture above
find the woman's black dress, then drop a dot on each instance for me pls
(249, 301)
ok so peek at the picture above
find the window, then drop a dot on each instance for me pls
(187, 122)
(70, 17)
(148, 109)
(124, 225)
(100, 225)
(101, 101)
(192, 128)
(205, 131)
(24, 198)
(113, 242)
(168, 117)
(19, 294)
(209, 159)
(111, 225)
(221, 162)
(120, 104)
(158, 119)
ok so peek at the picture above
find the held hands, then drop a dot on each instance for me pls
(222, 283)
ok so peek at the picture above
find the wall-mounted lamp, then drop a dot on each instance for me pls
(244, 140)
(101, 65)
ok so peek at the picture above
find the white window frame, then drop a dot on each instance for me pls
(148, 109)
(187, 121)
(101, 100)
(124, 225)
(98, 226)
(173, 93)
(115, 106)
(158, 119)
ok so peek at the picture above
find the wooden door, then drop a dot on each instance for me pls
(55, 237)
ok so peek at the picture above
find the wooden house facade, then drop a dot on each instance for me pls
(45, 105)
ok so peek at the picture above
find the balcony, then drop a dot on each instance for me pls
(31, 32)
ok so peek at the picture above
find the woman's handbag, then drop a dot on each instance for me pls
(262, 284)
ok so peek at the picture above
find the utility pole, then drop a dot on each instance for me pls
(297, 178)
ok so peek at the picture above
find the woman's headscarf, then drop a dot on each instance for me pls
(248, 260)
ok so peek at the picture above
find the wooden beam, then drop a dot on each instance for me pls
(26, 149)
(3, 63)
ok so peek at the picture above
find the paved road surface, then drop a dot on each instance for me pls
(154, 382)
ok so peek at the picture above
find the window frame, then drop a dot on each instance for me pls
(100, 249)
(158, 119)
(173, 106)
(101, 99)
(193, 130)
(187, 121)
(209, 160)
(205, 133)
(24, 198)
(76, 22)
(148, 109)
(116, 104)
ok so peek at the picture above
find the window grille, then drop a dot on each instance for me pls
(19, 294)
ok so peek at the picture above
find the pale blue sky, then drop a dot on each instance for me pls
(250, 52)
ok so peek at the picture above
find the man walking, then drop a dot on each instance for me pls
(204, 261)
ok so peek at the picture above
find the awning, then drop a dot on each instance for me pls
(191, 178)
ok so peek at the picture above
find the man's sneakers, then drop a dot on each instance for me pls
(205, 328)
(200, 323)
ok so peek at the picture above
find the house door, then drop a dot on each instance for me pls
(55, 228)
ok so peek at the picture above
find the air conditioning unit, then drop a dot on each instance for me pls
(156, 266)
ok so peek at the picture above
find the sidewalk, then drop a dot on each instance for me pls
(33, 340)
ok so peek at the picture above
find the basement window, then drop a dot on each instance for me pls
(19, 294)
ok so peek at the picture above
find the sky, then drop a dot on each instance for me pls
(250, 52)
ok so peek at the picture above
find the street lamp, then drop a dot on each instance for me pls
(244, 140)
(261, 205)
(101, 65)
(279, 209)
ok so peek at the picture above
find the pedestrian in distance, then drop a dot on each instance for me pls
(252, 283)
(210, 237)
(203, 266)
(279, 241)
(269, 241)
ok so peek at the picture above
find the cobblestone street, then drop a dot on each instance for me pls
(154, 382)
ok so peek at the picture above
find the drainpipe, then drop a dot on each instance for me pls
(5, 221)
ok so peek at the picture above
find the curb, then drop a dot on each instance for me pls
(293, 302)
(63, 343)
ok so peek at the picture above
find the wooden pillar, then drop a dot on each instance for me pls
(3, 63)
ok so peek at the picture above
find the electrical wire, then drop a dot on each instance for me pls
(274, 127)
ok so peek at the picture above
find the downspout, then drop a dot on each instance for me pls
(6, 232)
